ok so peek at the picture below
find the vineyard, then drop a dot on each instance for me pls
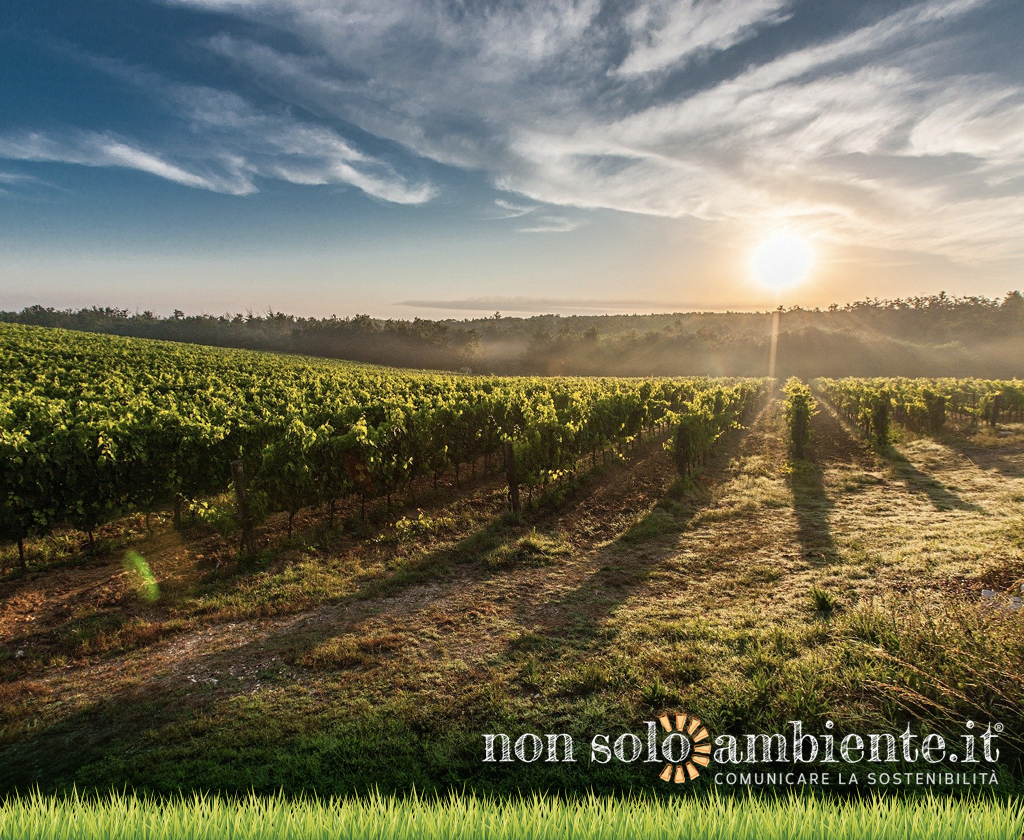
(92, 427)
(751, 556)
(922, 405)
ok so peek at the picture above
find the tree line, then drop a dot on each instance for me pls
(926, 336)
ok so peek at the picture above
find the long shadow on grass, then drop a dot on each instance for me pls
(235, 701)
(285, 738)
(812, 507)
(830, 444)
(1001, 460)
(246, 717)
(293, 743)
(941, 497)
(243, 718)
(575, 620)
(471, 555)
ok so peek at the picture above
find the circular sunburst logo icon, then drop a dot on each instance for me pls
(691, 750)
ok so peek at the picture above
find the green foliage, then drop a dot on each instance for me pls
(533, 550)
(824, 602)
(216, 516)
(946, 663)
(865, 403)
(656, 693)
(94, 426)
(707, 415)
(800, 408)
(922, 405)
(880, 430)
(420, 526)
(935, 334)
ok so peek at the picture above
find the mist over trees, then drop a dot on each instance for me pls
(937, 335)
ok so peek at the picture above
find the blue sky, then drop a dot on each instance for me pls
(453, 158)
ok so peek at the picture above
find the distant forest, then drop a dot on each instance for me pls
(938, 335)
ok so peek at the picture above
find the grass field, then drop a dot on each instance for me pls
(845, 587)
(369, 818)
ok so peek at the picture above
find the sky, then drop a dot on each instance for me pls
(450, 158)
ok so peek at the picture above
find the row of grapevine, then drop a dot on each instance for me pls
(863, 403)
(800, 408)
(708, 416)
(978, 400)
(92, 426)
(922, 405)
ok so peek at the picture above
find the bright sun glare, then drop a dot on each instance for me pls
(781, 261)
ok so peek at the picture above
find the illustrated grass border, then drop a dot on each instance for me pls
(462, 816)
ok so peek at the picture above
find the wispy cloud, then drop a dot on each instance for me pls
(538, 220)
(99, 149)
(512, 210)
(551, 224)
(669, 33)
(557, 101)
(223, 144)
(17, 178)
(886, 127)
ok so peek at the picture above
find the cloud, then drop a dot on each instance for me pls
(669, 33)
(511, 210)
(884, 124)
(99, 149)
(222, 144)
(16, 178)
(569, 104)
(280, 146)
(551, 224)
(540, 223)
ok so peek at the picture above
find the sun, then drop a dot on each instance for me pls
(781, 261)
